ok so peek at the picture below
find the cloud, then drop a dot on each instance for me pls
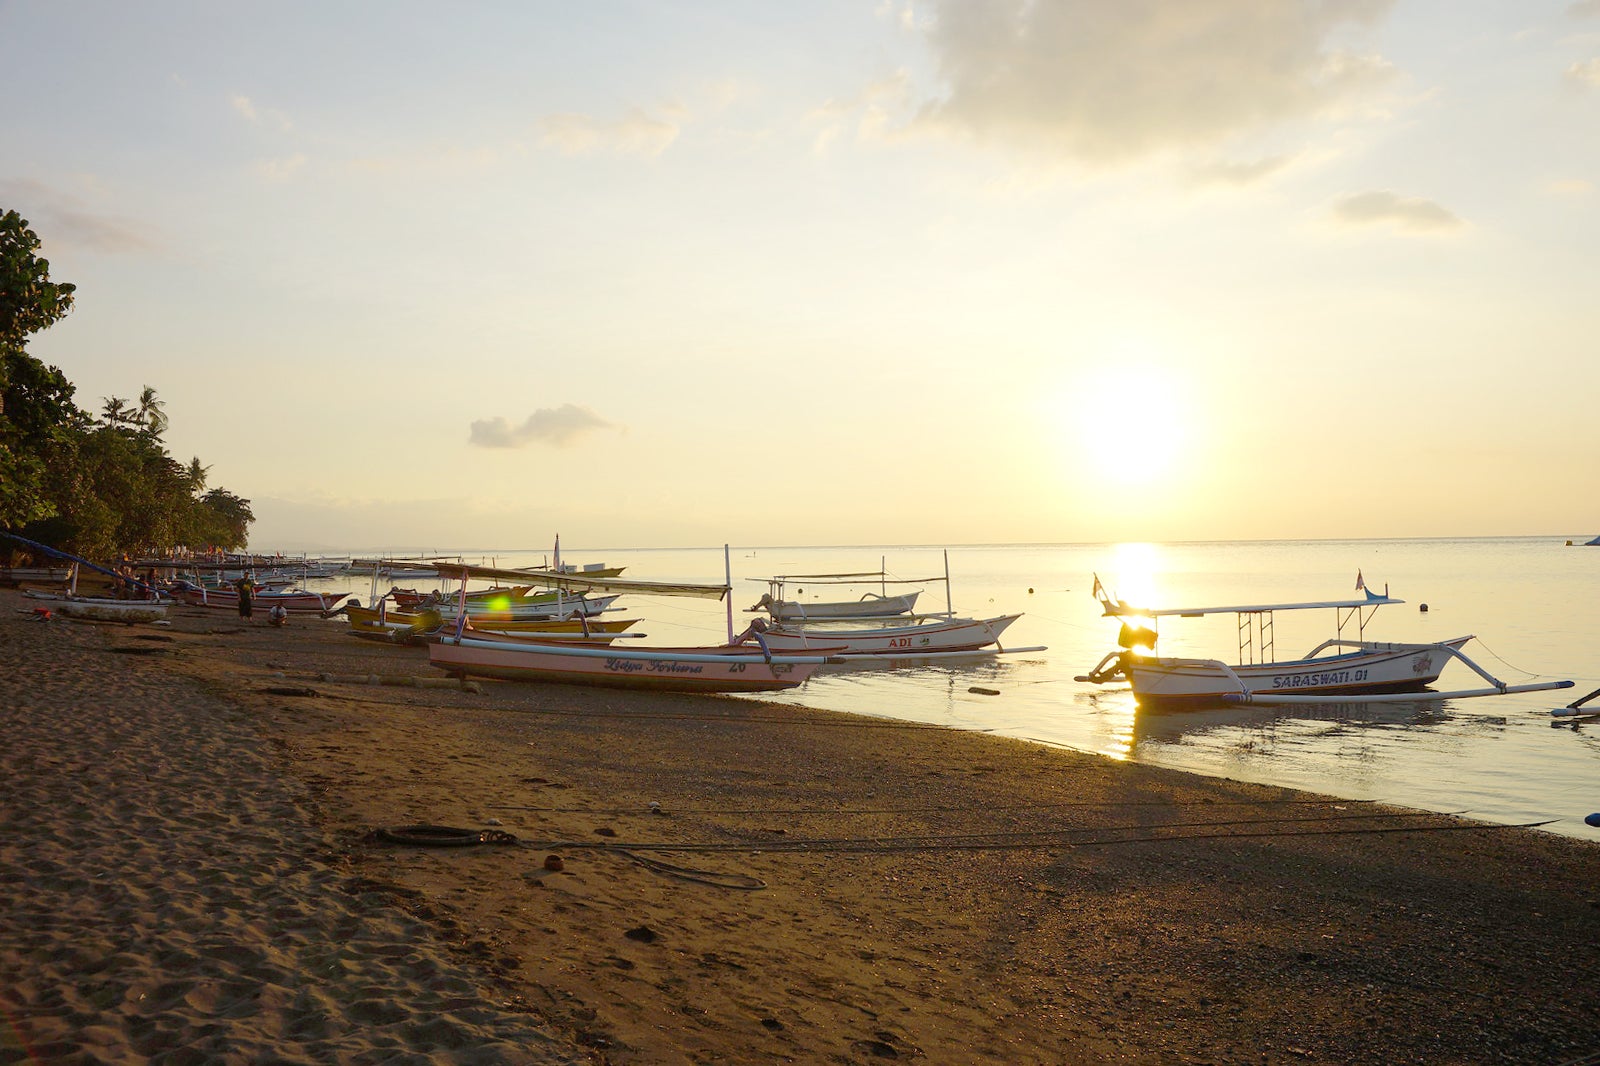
(246, 109)
(1586, 73)
(555, 426)
(1223, 172)
(61, 219)
(1570, 187)
(904, 13)
(871, 113)
(277, 170)
(1109, 82)
(1585, 9)
(637, 134)
(1384, 207)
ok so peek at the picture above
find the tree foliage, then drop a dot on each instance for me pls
(102, 487)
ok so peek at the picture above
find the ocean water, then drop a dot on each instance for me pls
(1533, 603)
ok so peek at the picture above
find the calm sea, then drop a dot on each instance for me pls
(1533, 603)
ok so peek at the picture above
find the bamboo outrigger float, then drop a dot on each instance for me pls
(1353, 670)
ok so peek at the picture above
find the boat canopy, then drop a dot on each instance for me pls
(564, 580)
(1123, 610)
(847, 579)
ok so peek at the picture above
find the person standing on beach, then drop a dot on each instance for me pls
(247, 590)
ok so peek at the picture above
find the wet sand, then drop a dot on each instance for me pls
(192, 872)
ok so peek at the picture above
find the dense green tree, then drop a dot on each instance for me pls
(29, 302)
(101, 488)
(228, 518)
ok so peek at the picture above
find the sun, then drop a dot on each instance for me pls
(1130, 423)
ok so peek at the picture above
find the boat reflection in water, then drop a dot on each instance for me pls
(1162, 725)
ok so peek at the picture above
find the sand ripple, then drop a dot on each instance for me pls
(164, 895)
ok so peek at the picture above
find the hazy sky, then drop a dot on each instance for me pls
(648, 274)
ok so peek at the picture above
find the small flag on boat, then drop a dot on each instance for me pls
(1361, 582)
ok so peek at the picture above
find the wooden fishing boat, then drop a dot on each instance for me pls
(41, 575)
(570, 606)
(412, 598)
(1350, 669)
(100, 609)
(870, 605)
(931, 635)
(727, 668)
(293, 601)
(399, 626)
(899, 635)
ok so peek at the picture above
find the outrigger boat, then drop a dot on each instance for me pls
(730, 667)
(870, 605)
(927, 638)
(298, 602)
(101, 609)
(401, 627)
(898, 636)
(1352, 670)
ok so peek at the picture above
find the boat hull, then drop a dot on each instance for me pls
(960, 634)
(299, 602)
(101, 610)
(1376, 668)
(571, 607)
(44, 575)
(729, 669)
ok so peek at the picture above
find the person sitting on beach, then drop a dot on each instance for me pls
(279, 615)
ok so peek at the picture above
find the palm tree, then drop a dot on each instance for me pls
(149, 413)
(197, 475)
(115, 412)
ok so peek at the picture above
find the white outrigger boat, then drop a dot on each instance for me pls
(931, 636)
(101, 609)
(1350, 670)
(870, 605)
(897, 635)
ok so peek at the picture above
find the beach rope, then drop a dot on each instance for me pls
(1514, 667)
(737, 882)
(444, 836)
(979, 809)
(449, 836)
(1022, 841)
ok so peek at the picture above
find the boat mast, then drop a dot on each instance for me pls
(727, 579)
(949, 607)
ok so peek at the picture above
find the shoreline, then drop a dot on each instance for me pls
(923, 892)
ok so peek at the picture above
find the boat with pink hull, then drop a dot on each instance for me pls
(726, 668)
(299, 602)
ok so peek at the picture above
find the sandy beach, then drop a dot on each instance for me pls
(195, 872)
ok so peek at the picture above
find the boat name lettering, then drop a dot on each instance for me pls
(650, 666)
(1322, 680)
